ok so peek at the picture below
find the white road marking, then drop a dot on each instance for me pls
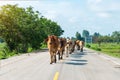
(109, 59)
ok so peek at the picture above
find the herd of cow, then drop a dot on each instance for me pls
(57, 46)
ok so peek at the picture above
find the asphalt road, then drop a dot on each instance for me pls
(86, 65)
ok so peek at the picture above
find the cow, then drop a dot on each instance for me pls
(53, 44)
(77, 44)
(69, 48)
(61, 48)
(80, 45)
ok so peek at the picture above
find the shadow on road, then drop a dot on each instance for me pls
(78, 54)
(79, 60)
(75, 59)
(76, 62)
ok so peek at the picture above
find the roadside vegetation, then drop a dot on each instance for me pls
(23, 30)
(112, 49)
(108, 44)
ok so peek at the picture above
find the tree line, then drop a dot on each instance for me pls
(98, 38)
(85, 33)
(114, 37)
(22, 28)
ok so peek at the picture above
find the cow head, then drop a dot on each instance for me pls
(50, 40)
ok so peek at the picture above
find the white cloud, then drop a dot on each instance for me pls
(64, 9)
(94, 5)
(72, 19)
(95, 2)
(103, 5)
(101, 8)
(51, 14)
(52, 10)
(114, 7)
(75, 15)
(104, 15)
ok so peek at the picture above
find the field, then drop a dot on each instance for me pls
(112, 49)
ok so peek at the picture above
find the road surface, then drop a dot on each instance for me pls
(86, 65)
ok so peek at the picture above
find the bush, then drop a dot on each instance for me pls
(5, 52)
(96, 48)
(88, 46)
(1, 40)
(43, 45)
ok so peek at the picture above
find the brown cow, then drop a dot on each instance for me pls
(80, 45)
(61, 48)
(77, 44)
(52, 43)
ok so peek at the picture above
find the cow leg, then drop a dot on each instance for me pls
(70, 52)
(67, 52)
(58, 55)
(61, 55)
(73, 48)
(51, 56)
(51, 59)
(55, 58)
(81, 49)
(78, 47)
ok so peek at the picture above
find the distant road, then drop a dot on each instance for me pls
(88, 65)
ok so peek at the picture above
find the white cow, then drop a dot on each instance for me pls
(69, 48)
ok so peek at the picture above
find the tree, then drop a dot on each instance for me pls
(105, 38)
(23, 28)
(51, 27)
(95, 37)
(116, 36)
(9, 27)
(78, 36)
(96, 34)
(1, 40)
(85, 33)
(73, 38)
(33, 30)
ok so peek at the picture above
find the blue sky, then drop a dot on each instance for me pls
(101, 16)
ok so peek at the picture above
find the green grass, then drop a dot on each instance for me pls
(2, 45)
(6, 53)
(43, 46)
(111, 49)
